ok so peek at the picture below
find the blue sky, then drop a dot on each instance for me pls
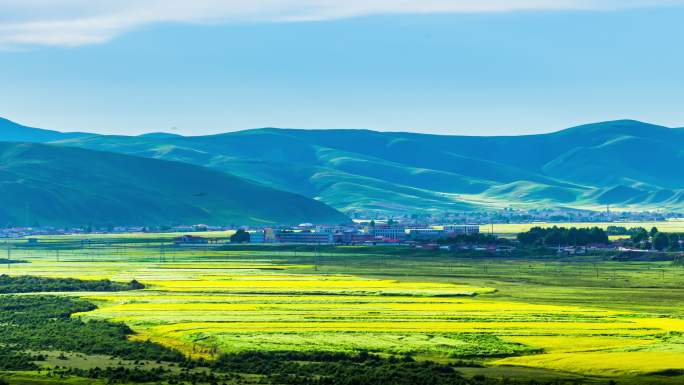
(438, 71)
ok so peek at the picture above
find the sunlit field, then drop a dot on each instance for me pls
(593, 317)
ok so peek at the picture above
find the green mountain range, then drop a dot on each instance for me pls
(626, 164)
(44, 184)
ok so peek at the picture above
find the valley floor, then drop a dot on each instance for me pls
(593, 320)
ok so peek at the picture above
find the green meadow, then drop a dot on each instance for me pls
(587, 319)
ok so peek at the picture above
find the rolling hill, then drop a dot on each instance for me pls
(624, 163)
(14, 132)
(57, 185)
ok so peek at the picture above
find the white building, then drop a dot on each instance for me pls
(388, 232)
(256, 237)
(426, 233)
(462, 229)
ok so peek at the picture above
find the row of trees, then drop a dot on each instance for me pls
(473, 239)
(467, 239)
(562, 236)
(639, 237)
(31, 284)
(655, 239)
(622, 230)
(240, 236)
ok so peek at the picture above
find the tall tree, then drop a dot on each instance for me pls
(240, 236)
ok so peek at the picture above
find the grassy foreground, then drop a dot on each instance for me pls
(592, 319)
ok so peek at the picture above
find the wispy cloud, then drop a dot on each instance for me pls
(80, 22)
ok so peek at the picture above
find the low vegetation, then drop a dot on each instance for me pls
(5, 261)
(39, 323)
(32, 284)
(325, 315)
(477, 238)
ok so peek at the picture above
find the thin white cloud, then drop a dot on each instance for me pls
(80, 22)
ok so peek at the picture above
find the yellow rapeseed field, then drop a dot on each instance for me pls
(602, 363)
(198, 307)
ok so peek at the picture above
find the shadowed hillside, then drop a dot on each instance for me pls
(57, 185)
(14, 132)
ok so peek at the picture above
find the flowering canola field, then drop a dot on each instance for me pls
(204, 308)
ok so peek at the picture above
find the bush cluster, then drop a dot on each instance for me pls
(31, 284)
(562, 236)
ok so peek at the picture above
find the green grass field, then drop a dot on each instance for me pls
(547, 316)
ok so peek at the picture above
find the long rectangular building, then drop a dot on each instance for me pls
(304, 237)
(397, 233)
(462, 229)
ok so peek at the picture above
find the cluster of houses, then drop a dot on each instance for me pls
(309, 234)
(511, 215)
(22, 232)
(349, 235)
(354, 234)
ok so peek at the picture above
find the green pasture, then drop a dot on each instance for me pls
(386, 300)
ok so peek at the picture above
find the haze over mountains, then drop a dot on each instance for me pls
(624, 163)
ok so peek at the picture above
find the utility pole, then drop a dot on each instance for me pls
(315, 258)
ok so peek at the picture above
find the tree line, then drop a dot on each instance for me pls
(31, 284)
(655, 239)
(562, 236)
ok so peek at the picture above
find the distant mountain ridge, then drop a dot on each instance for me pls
(14, 132)
(65, 186)
(623, 163)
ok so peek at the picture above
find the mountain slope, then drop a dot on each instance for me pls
(624, 163)
(57, 185)
(14, 132)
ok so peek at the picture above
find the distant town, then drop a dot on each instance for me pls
(422, 231)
